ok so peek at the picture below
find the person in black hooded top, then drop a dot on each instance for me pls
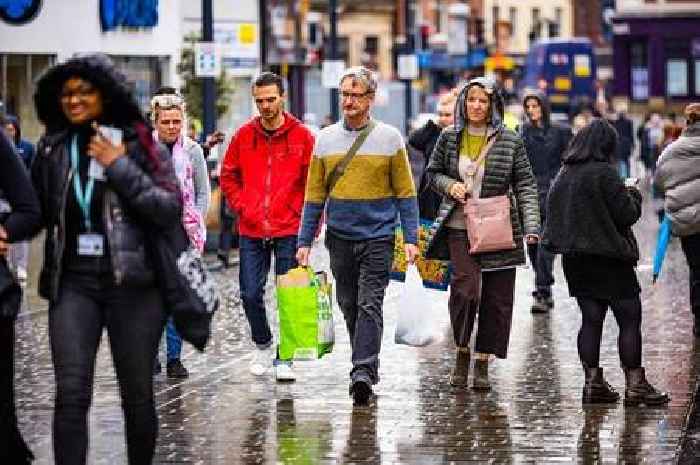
(545, 143)
(101, 200)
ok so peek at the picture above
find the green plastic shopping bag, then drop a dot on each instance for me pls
(305, 315)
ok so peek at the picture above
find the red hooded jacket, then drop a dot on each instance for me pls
(264, 177)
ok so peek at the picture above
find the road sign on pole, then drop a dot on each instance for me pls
(207, 59)
(331, 72)
(408, 67)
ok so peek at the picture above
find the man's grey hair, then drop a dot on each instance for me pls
(362, 75)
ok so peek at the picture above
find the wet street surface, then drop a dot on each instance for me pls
(533, 415)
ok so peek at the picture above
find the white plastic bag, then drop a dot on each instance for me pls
(416, 325)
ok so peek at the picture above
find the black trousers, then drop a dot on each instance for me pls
(361, 271)
(13, 449)
(134, 319)
(628, 314)
(691, 249)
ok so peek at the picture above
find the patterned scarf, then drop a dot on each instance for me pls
(192, 219)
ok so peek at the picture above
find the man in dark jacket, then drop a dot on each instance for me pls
(625, 130)
(424, 139)
(24, 148)
(545, 143)
(263, 177)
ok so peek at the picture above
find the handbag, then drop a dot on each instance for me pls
(188, 290)
(488, 224)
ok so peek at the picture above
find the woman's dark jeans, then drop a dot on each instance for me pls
(628, 314)
(134, 319)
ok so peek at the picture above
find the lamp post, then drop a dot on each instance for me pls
(208, 83)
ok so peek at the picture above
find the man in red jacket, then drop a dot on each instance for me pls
(263, 177)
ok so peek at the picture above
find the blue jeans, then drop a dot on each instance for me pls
(173, 341)
(623, 167)
(255, 259)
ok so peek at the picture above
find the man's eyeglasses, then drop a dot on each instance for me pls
(353, 95)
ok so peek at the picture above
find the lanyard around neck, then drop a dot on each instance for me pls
(84, 198)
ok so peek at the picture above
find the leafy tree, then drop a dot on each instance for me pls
(192, 86)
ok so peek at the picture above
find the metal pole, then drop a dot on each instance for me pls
(333, 49)
(262, 18)
(208, 83)
(408, 30)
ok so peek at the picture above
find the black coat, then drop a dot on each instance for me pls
(625, 131)
(424, 140)
(590, 211)
(140, 199)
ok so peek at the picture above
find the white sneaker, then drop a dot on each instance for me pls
(260, 362)
(284, 372)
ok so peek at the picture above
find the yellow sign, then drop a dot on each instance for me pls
(499, 62)
(246, 34)
(562, 83)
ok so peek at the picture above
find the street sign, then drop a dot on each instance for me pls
(331, 72)
(207, 59)
(408, 67)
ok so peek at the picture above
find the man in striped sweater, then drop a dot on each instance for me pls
(362, 211)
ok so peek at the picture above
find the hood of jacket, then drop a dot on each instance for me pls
(544, 104)
(497, 104)
(119, 106)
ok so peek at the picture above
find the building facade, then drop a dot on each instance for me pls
(147, 55)
(657, 53)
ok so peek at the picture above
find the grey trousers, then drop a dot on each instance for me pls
(361, 271)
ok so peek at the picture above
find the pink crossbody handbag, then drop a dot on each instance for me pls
(488, 224)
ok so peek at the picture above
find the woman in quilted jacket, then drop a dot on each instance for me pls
(104, 187)
(478, 157)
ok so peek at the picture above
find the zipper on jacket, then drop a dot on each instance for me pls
(61, 245)
(109, 225)
(268, 181)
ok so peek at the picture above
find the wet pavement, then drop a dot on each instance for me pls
(533, 415)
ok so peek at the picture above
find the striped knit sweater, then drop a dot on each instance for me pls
(377, 186)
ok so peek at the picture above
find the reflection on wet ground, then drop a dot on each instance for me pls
(222, 415)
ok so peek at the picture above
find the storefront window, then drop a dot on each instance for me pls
(640, 71)
(676, 78)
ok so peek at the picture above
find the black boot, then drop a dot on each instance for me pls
(596, 390)
(481, 376)
(639, 391)
(461, 370)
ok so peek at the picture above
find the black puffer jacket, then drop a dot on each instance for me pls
(135, 205)
(506, 172)
(142, 194)
(592, 212)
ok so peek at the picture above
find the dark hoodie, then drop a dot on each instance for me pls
(545, 144)
(24, 148)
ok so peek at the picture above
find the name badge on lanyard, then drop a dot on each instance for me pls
(89, 244)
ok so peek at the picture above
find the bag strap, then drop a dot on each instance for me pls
(339, 169)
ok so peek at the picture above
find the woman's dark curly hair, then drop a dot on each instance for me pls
(595, 142)
(119, 106)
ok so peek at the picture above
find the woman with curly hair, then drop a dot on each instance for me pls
(101, 198)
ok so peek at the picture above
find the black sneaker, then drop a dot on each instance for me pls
(175, 369)
(361, 392)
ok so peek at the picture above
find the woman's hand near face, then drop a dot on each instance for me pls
(458, 191)
(102, 149)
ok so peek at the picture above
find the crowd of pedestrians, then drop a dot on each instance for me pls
(107, 180)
